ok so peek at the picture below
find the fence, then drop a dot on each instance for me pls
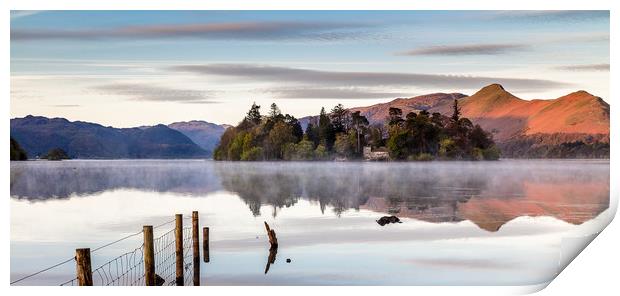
(173, 258)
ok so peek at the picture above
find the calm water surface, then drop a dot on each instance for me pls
(511, 222)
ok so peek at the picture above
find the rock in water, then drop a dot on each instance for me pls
(387, 220)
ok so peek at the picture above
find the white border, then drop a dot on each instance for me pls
(592, 272)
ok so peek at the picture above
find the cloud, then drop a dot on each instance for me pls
(225, 31)
(553, 15)
(16, 14)
(332, 93)
(474, 49)
(308, 77)
(144, 92)
(585, 68)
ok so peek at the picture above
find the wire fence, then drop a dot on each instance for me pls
(128, 269)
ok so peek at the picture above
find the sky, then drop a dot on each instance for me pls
(134, 68)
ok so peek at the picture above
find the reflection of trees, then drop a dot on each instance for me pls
(278, 189)
(346, 186)
(437, 191)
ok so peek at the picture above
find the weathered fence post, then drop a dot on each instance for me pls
(196, 246)
(178, 236)
(84, 271)
(149, 256)
(271, 234)
(205, 243)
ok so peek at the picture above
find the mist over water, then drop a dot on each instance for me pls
(463, 222)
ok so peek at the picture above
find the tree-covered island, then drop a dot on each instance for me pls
(343, 135)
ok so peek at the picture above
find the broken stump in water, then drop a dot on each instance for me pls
(273, 241)
(388, 219)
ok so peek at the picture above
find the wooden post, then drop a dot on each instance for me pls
(149, 256)
(205, 243)
(196, 246)
(273, 240)
(178, 236)
(84, 271)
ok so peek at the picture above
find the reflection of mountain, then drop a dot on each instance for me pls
(573, 203)
(488, 194)
(45, 180)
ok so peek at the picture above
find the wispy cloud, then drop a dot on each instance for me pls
(472, 49)
(331, 93)
(553, 15)
(585, 68)
(144, 92)
(16, 14)
(309, 77)
(232, 31)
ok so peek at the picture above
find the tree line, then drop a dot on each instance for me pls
(343, 134)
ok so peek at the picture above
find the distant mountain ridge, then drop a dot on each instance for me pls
(38, 134)
(377, 113)
(204, 134)
(572, 126)
(494, 108)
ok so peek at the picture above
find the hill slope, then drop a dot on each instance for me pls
(204, 134)
(377, 114)
(507, 116)
(79, 139)
(572, 126)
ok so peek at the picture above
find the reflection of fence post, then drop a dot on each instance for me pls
(149, 256)
(205, 243)
(196, 246)
(84, 271)
(178, 237)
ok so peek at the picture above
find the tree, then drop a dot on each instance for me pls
(479, 138)
(320, 153)
(359, 122)
(343, 145)
(298, 132)
(279, 136)
(56, 154)
(274, 111)
(375, 136)
(326, 130)
(456, 111)
(17, 152)
(312, 133)
(395, 116)
(221, 151)
(253, 116)
(340, 118)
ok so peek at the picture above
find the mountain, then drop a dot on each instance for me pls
(575, 125)
(496, 109)
(205, 134)
(37, 135)
(572, 126)
(377, 114)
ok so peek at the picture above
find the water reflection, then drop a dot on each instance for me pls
(488, 194)
(271, 259)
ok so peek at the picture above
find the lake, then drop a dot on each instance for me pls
(509, 222)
